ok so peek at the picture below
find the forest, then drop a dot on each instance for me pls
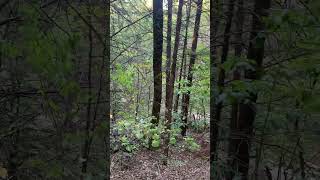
(159, 89)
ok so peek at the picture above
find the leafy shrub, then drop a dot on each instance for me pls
(138, 132)
(133, 134)
(191, 144)
(200, 125)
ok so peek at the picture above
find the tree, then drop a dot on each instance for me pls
(247, 110)
(186, 96)
(107, 89)
(168, 62)
(221, 78)
(183, 65)
(214, 24)
(172, 77)
(157, 58)
(236, 76)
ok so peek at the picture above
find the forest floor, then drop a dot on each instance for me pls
(148, 165)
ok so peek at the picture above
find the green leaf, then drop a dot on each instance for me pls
(173, 141)
(155, 137)
(129, 148)
(139, 135)
(155, 143)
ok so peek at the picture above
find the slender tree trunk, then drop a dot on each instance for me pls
(170, 85)
(221, 78)
(214, 24)
(139, 86)
(157, 58)
(186, 96)
(236, 76)
(149, 98)
(247, 110)
(85, 151)
(106, 53)
(203, 109)
(169, 30)
(239, 29)
(169, 93)
(184, 57)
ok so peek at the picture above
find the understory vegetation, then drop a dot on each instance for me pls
(159, 89)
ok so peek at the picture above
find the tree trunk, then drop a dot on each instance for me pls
(221, 78)
(157, 58)
(247, 110)
(169, 93)
(168, 64)
(107, 88)
(86, 146)
(184, 57)
(170, 85)
(214, 23)
(186, 96)
(236, 76)
(139, 87)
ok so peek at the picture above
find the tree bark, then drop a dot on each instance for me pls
(157, 58)
(168, 63)
(184, 57)
(107, 88)
(221, 78)
(86, 146)
(138, 96)
(214, 24)
(170, 90)
(186, 96)
(172, 77)
(236, 76)
(247, 110)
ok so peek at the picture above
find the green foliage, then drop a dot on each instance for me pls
(138, 132)
(191, 144)
(175, 131)
(124, 76)
(239, 63)
(126, 144)
(200, 125)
